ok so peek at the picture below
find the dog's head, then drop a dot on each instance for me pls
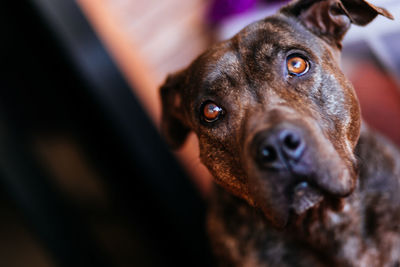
(276, 119)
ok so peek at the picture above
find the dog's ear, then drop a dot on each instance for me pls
(173, 127)
(330, 19)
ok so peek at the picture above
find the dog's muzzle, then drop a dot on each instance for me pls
(293, 168)
(283, 149)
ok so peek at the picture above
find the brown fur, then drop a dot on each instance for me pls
(357, 172)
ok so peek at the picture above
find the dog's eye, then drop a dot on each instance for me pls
(211, 111)
(297, 65)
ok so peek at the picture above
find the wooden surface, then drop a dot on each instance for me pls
(149, 39)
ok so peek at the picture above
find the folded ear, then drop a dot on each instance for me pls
(173, 127)
(330, 19)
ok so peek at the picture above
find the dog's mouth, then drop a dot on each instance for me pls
(284, 203)
(287, 187)
(305, 196)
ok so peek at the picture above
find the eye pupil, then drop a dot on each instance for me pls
(297, 66)
(211, 112)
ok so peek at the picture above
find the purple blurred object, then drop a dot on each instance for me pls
(221, 9)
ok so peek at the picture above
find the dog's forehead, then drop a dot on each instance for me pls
(266, 38)
(278, 29)
(224, 64)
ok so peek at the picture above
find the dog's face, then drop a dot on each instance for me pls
(276, 119)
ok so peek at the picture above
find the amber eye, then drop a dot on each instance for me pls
(211, 111)
(296, 65)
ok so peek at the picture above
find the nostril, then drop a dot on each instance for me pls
(292, 144)
(292, 141)
(268, 154)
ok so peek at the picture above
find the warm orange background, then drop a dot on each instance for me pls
(149, 39)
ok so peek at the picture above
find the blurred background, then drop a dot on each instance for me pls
(85, 178)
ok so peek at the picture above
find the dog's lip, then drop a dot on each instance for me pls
(305, 196)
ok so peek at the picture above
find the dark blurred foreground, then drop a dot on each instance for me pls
(85, 179)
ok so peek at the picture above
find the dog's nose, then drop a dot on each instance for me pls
(280, 147)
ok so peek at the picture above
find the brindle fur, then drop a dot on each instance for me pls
(251, 222)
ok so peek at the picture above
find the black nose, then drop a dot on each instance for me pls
(280, 147)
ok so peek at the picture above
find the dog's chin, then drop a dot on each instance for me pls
(298, 198)
(305, 197)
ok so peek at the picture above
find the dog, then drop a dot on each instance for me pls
(301, 179)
